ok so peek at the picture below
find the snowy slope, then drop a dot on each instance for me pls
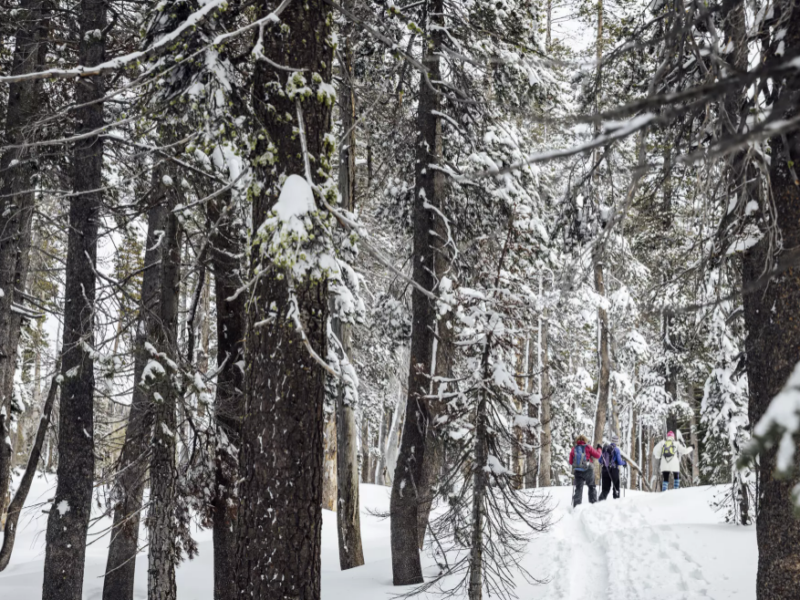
(646, 546)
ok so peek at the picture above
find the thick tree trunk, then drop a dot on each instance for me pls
(15, 508)
(69, 516)
(132, 468)
(428, 191)
(431, 475)
(164, 553)
(773, 341)
(227, 245)
(280, 516)
(546, 449)
(17, 170)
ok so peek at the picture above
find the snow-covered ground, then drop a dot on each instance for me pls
(646, 546)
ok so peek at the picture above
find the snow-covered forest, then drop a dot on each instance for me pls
(378, 263)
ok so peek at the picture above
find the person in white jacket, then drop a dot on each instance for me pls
(670, 452)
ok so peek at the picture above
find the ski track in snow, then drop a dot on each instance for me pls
(644, 547)
(613, 550)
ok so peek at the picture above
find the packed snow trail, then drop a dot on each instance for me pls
(646, 547)
(643, 547)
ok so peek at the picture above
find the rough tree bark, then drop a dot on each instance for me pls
(17, 200)
(773, 342)
(226, 247)
(280, 515)
(429, 188)
(69, 516)
(433, 459)
(163, 552)
(132, 466)
(348, 515)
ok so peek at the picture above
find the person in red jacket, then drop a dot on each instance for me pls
(581, 457)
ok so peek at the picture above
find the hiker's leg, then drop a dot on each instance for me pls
(665, 482)
(592, 486)
(606, 483)
(677, 480)
(615, 482)
(578, 497)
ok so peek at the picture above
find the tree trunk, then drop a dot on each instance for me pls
(518, 456)
(532, 460)
(15, 508)
(365, 462)
(69, 516)
(652, 470)
(380, 463)
(773, 341)
(433, 459)
(635, 431)
(428, 191)
(329, 464)
(280, 516)
(695, 458)
(547, 437)
(393, 441)
(226, 246)
(132, 468)
(475, 589)
(603, 360)
(164, 553)
(17, 200)
(348, 515)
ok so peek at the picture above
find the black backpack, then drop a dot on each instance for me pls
(608, 456)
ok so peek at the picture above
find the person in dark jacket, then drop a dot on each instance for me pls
(610, 462)
(581, 458)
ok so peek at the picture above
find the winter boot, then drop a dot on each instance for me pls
(677, 481)
(664, 485)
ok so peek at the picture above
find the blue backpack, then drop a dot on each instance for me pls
(579, 462)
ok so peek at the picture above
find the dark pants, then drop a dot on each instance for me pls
(610, 477)
(586, 477)
(665, 483)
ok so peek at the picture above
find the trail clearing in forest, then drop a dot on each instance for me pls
(669, 546)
